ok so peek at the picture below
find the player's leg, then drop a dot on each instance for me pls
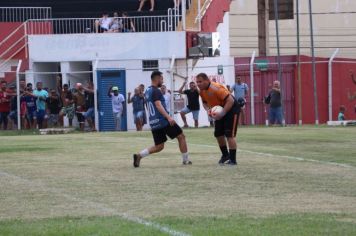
(230, 129)
(159, 137)
(176, 132)
(220, 138)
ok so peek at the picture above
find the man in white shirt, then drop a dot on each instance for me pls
(104, 23)
(118, 102)
(167, 97)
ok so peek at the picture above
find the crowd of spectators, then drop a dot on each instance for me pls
(46, 107)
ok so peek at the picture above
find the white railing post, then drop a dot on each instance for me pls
(199, 15)
(330, 83)
(171, 112)
(18, 95)
(184, 9)
(95, 83)
(252, 62)
(25, 31)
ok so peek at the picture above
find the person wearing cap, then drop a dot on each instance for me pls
(118, 103)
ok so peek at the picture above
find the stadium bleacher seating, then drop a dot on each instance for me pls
(92, 8)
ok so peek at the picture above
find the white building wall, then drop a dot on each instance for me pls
(334, 24)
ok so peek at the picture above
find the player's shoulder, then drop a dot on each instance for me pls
(217, 87)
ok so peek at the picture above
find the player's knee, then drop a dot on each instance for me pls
(160, 147)
(181, 137)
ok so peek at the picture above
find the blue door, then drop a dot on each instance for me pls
(106, 79)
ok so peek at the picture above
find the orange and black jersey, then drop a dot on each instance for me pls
(215, 95)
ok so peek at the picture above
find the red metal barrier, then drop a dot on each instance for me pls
(344, 88)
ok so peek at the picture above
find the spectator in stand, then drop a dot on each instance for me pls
(53, 107)
(79, 100)
(103, 24)
(138, 104)
(30, 100)
(41, 96)
(89, 115)
(116, 24)
(142, 3)
(4, 104)
(13, 107)
(68, 108)
(127, 23)
(167, 97)
(193, 103)
(118, 102)
(29, 85)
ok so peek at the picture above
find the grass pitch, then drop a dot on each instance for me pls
(289, 181)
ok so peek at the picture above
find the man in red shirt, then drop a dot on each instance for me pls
(4, 104)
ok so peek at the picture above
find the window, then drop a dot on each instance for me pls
(150, 65)
(285, 10)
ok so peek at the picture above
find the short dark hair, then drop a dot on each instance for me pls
(28, 84)
(203, 76)
(155, 73)
(65, 85)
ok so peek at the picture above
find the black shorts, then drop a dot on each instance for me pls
(160, 135)
(227, 126)
(81, 118)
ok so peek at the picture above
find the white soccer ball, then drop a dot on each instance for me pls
(216, 109)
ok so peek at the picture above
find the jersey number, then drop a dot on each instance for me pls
(151, 109)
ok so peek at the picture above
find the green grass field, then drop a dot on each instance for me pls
(289, 181)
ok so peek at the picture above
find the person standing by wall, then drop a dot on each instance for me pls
(274, 99)
(138, 103)
(193, 103)
(167, 97)
(118, 103)
(41, 96)
(240, 90)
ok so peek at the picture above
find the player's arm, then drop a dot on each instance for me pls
(129, 100)
(353, 77)
(246, 90)
(163, 112)
(205, 105)
(182, 87)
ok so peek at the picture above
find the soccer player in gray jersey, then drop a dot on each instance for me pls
(161, 123)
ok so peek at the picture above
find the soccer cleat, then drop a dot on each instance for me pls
(223, 159)
(136, 160)
(231, 163)
(187, 162)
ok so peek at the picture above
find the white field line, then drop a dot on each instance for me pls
(278, 156)
(103, 208)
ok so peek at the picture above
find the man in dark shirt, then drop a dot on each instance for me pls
(89, 115)
(68, 108)
(53, 108)
(275, 102)
(13, 108)
(193, 103)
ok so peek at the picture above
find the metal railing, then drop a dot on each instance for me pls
(92, 25)
(22, 14)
